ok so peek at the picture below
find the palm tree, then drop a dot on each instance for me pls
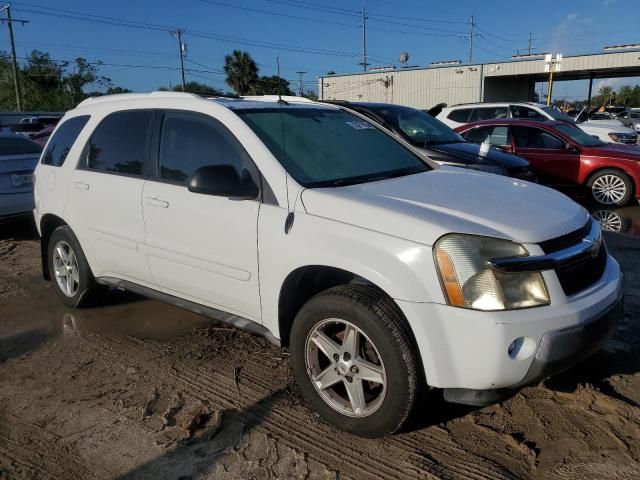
(242, 72)
(606, 93)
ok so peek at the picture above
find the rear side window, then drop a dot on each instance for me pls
(461, 115)
(62, 141)
(120, 144)
(525, 112)
(488, 113)
(190, 141)
(477, 135)
(18, 146)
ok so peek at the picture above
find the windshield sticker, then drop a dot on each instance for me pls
(358, 125)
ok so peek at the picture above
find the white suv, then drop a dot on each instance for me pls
(459, 115)
(380, 271)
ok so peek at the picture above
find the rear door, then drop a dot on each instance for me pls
(201, 247)
(105, 191)
(553, 162)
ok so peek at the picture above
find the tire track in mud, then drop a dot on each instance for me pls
(39, 451)
(393, 457)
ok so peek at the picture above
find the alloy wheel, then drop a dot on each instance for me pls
(65, 266)
(609, 189)
(345, 367)
(608, 220)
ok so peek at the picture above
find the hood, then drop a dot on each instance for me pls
(618, 151)
(468, 153)
(425, 206)
(606, 128)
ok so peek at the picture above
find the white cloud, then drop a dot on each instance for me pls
(607, 82)
(568, 33)
(608, 3)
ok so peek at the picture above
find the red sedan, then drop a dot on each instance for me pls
(563, 155)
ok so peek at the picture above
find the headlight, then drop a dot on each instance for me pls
(469, 281)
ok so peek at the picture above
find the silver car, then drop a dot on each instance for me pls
(18, 159)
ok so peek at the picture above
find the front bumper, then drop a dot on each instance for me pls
(469, 350)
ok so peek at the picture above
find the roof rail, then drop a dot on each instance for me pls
(275, 98)
(136, 96)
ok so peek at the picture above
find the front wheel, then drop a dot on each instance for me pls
(611, 187)
(354, 360)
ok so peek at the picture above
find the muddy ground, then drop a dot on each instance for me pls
(139, 389)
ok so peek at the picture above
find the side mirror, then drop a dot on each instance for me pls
(570, 148)
(222, 181)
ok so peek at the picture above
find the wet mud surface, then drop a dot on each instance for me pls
(138, 389)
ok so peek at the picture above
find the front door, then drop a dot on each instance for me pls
(201, 247)
(552, 161)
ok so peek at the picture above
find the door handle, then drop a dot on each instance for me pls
(156, 202)
(81, 185)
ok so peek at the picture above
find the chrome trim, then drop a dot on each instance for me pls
(589, 246)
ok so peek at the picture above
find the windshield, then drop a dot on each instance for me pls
(18, 146)
(580, 136)
(558, 115)
(420, 128)
(322, 147)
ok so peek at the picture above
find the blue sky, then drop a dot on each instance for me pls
(428, 30)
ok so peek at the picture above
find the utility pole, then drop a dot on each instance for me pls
(300, 88)
(14, 62)
(364, 40)
(471, 40)
(183, 49)
(530, 42)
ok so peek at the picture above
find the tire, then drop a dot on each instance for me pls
(78, 279)
(619, 184)
(386, 352)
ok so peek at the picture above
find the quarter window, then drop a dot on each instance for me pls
(120, 143)
(461, 115)
(190, 141)
(529, 137)
(62, 140)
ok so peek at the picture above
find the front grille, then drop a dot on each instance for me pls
(578, 276)
(565, 241)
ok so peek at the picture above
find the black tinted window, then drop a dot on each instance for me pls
(477, 135)
(62, 141)
(18, 146)
(191, 141)
(529, 137)
(461, 115)
(119, 144)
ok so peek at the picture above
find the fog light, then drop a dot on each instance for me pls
(521, 348)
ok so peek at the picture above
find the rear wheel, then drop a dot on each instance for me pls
(611, 187)
(70, 272)
(354, 360)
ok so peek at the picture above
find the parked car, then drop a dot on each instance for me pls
(18, 158)
(630, 119)
(440, 143)
(24, 129)
(562, 154)
(44, 120)
(381, 271)
(42, 136)
(459, 115)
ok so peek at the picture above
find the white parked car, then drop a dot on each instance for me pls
(379, 270)
(610, 131)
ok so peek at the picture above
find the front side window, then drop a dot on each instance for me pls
(580, 136)
(190, 141)
(530, 137)
(61, 142)
(323, 147)
(17, 145)
(558, 115)
(120, 143)
(526, 113)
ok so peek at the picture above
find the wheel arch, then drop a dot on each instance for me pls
(48, 224)
(635, 179)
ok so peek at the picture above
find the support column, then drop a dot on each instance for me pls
(590, 89)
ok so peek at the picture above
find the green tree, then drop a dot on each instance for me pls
(116, 90)
(606, 94)
(272, 85)
(199, 88)
(311, 95)
(84, 74)
(242, 72)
